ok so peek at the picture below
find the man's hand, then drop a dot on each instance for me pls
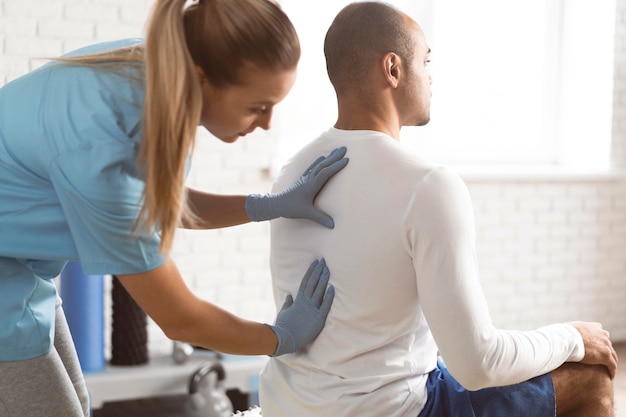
(598, 347)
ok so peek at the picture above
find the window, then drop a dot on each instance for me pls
(514, 82)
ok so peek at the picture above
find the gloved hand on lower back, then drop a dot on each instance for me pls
(299, 322)
(296, 202)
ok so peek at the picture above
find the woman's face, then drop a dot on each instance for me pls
(233, 111)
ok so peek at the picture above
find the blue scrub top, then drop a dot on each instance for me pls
(69, 189)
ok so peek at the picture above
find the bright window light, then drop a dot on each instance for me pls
(517, 82)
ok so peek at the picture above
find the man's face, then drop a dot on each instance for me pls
(416, 93)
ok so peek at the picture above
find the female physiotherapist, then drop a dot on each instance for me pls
(94, 149)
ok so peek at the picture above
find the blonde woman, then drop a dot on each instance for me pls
(94, 148)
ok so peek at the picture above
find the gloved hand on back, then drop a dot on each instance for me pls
(299, 322)
(296, 202)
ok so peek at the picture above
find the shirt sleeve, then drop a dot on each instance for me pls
(100, 196)
(92, 119)
(477, 354)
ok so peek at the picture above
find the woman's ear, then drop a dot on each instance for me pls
(207, 88)
(201, 75)
(392, 69)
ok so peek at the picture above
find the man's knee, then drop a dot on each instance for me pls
(578, 386)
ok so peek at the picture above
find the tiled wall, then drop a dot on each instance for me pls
(550, 247)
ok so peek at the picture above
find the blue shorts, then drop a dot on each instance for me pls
(447, 398)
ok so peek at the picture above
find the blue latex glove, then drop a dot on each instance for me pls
(299, 322)
(296, 202)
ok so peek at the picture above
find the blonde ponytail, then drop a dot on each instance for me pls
(171, 115)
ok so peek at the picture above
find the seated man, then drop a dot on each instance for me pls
(409, 333)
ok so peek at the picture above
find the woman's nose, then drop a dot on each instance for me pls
(265, 120)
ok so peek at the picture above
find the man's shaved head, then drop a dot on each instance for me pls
(360, 34)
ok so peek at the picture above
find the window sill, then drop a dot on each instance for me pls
(538, 173)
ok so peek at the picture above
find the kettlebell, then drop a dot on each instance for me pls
(207, 392)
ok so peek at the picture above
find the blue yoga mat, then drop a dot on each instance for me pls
(83, 303)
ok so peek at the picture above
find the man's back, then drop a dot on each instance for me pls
(376, 338)
(402, 261)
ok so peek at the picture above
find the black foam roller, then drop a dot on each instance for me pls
(129, 334)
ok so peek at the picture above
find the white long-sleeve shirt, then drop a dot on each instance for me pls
(402, 261)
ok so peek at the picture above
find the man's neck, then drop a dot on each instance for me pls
(358, 117)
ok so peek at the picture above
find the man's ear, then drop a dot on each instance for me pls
(392, 69)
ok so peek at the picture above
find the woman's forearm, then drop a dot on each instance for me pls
(214, 328)
(214, 211)
(164, 296)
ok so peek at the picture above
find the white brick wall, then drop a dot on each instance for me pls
(553, 250)
(32, 29)
(550, 248)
